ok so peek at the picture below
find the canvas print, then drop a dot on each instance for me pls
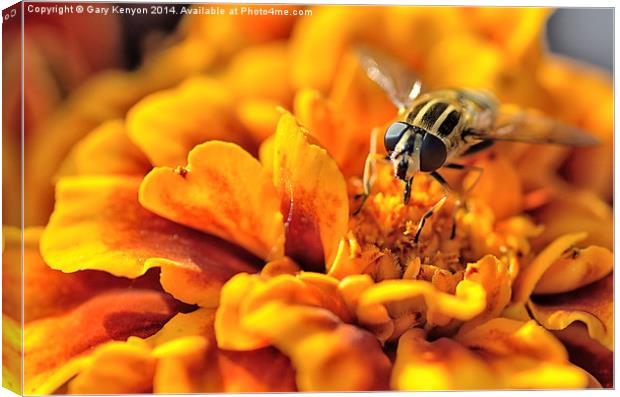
(224, 198)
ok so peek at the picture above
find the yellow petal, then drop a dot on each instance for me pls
(168, 124)
(51, 358)
(49, 292)
(575, 269)
(528, 278)
(314, 196)
(440, 365)
(98, 224)
(499, 186)
(12, 359)
(302, 317)
(252, 73)
(493, 275)
(417, 296)
(108, 150)
(592, 305)
(260, 118)
(189, 361)
(116, 368)
(504, 336)
(224, 191)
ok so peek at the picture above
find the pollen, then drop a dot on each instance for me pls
(383, 232)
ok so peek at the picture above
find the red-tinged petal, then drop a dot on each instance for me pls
(591, 305)
(314, 196)
(52, 358)
(47, 291)
(98, 224)
(223, 191)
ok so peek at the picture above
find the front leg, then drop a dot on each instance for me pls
(435, 207)
(369, 170)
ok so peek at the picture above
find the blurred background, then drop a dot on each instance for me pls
(135, 55)
(583, 33)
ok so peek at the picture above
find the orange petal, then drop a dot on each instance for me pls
(108, 150)
(259, 117)
(253, 71)
(98, 224)
(440, 365)
(48, 292)
(327, 355)
(12, 359)
(418, 296)
(499, 186)
(587, 353)
(168, 124)
(527, 279)
(575, 269)
(577, 211)
(524, 355)
(51, 358)
(223, 191)
(296, 315)
(494, 276)
(314, 196)
(189, 361)
(116, 368)
(592, 305)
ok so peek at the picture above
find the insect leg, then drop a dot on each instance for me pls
(369, 170)
(466, 168)
(478, 147)
(460, 200)
(436, 206)
(407, 191)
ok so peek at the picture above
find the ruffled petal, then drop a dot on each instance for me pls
(48, 292)
(418, 300)
(573, 212)
(223, 191)
(189, 361)
(168, 124)
(121, 368)
(575, 269)
(51, 358)
(440, 365)
(98, 224)
(302, 317)
(524, 355)
(495, 278)
(108, 150)
(588, 353)
(592, 305)
(528, 278)
(314, 196)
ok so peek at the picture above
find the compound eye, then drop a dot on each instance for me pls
(433, 153)
(393, 135)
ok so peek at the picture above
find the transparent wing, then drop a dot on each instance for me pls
(520, 125)
(399, 82)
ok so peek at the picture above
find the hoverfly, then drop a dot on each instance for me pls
(435, 127)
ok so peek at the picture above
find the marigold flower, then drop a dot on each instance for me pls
(231, 219)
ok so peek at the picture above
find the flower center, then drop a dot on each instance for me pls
(382, 234)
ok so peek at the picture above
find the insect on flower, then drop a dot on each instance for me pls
(436, 127)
